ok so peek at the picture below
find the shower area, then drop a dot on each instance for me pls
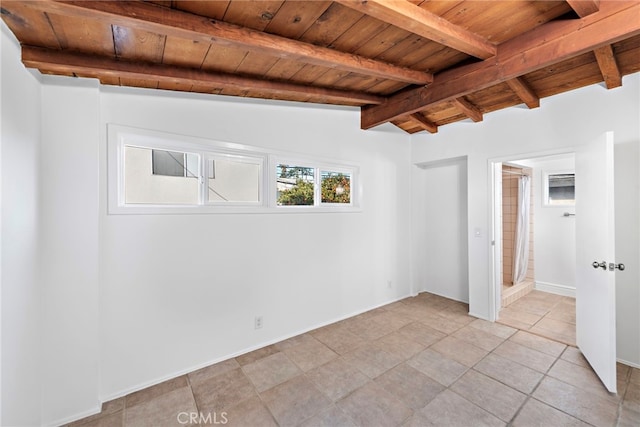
(517, 233)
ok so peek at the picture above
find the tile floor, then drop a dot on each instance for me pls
(541, 313)
(421, 361)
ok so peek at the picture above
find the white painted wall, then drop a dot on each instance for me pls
(20, 288)
(627, 203)
(187, 287)
(562, 123)
(554, 234)
(439, 262)
(69, 247)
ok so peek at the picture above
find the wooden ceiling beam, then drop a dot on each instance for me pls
(520, 87)
(414, 19)
(50, 60)
(468, 109)
(172, 22)
(423, 122)
(544, 46)
(584, 7)
(608, 66)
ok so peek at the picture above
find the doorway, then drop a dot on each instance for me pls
(542, 299)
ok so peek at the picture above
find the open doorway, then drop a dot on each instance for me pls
(534, 244)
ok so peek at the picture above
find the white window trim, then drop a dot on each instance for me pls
(118, 136)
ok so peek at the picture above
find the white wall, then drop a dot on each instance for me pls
(439, 262)
(188, 287)
(627, 204)
(20, 289)
(69, 247)
(554, 234)
(562, 123)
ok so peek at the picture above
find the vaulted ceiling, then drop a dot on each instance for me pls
(417, 64)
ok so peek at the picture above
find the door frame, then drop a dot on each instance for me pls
(495, 225)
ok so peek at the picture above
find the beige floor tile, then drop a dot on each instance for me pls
(578, 403)
(451, 410)
(536, 413)
(213, 370)
(337, 378)
(501, 331)
(163, 410)
(628, 418)
(510, 373)
(115, 419)
(399, 345)
(372, 360)
(439, 323)
(310, 354)
(523, 319)
(256, 355)
(369, 329)
(438, 367)
(371, 405)
(339, 340)
(574, 355)
(564, 313)
(330, 417)
(411, 386)
(459, 350)
(155, 391)
(489, 394)
(295, 401)
(477, 337)
(544, 345)
(107, 416)
(222, 391)
(525, 356)
(271, 371)
(580, 377)
(556, 330)
(394, 319)
(248, 413)
(632, 397)
(635, 376)
(294, 341)
(421, 334)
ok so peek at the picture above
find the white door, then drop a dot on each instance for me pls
(595, 252)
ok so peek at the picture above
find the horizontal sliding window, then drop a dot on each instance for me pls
(160, 177)
(151, 172)
(234, 179)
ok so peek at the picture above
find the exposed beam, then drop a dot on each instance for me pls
(468, 109)
(608, 66)
(82, 64)
(584, 7)
(520, 87)
(172, 22)
(423, 122)
(547, 45)
(412, 18)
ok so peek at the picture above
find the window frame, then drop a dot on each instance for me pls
(119, 136)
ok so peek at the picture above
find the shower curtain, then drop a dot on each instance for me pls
(521, 246)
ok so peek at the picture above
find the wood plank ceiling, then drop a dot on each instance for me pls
(417, 64)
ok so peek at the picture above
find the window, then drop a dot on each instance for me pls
(151, 172)
(234, 179)
(312, 186)
(295, 185)
(560, 189)
(165, 182)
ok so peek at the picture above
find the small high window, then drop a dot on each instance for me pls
(560, 189)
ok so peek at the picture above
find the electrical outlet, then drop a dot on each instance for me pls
(389, 284)
(258, 322)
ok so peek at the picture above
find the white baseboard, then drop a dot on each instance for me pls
(633, 365)
(554, 288)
